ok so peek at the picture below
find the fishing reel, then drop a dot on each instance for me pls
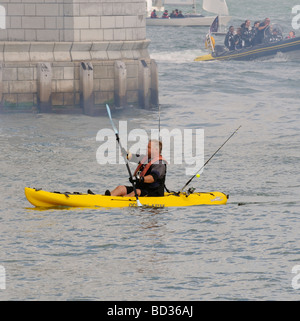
(190, 191)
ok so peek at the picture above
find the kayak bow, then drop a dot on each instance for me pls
(40, 198)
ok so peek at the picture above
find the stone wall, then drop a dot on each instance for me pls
(75, 56)
(74, 20)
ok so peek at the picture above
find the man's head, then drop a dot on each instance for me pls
(292, 34)
(154, 148)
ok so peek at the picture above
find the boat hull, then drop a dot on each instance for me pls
(40, 198)
(257, 52)
(188, 21)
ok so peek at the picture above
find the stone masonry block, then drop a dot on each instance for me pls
(29, 9)
(33, 22)
(25, 73)
(15, 9)
(47, 35)
(91, 9)
(81, 22)
(50, 22)
(10, 74)
(68, 72)
(130, 21)
(16, 51)
(22, 87)
(64, 86)
(108, 22)
(91, 35)
(47, 9)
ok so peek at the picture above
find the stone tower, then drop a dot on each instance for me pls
(75, 55)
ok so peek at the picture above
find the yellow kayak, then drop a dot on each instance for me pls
(40, 198)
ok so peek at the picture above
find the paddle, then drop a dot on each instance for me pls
(188, 182)
(124, 156)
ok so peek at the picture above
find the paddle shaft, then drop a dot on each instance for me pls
(188, 182)
(124, 156)
(127, 164)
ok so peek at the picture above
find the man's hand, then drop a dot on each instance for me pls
(135, 180)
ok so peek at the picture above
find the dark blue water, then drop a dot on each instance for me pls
(242, 251)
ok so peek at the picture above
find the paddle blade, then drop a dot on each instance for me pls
(108, 111)
(110, 118)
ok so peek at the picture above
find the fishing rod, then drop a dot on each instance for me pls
(124, 156)
(188, 182)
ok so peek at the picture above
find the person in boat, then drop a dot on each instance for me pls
(173, 14)
(238, 41)
(180, 15)
(149, 175)
(254, 32)
(291, 35)
(229, 39)
(263, 31)
(275, 35)
(246, 33)
(165, 15)
(153, 14)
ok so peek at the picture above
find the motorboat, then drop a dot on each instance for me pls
(264, 50)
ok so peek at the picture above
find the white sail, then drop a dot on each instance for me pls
(148, 5)
(216, 6)
(154, 4)
(179, 2)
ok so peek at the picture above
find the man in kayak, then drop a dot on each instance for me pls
(149, 176)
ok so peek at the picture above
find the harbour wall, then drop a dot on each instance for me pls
(75, 56)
